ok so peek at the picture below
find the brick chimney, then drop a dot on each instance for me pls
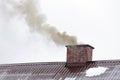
(78, 55)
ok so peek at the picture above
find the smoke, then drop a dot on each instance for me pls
(36, 22)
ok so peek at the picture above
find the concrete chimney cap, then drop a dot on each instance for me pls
(80, 45)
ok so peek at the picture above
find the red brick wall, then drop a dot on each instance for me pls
(79, 54)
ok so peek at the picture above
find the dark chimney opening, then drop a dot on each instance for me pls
(78, 55)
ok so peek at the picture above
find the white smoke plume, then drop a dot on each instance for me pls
(36, 22)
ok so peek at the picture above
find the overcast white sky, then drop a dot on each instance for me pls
(94, 22)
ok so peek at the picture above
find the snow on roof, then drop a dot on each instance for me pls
(95, 71)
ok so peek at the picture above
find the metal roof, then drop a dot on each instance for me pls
(58, 71)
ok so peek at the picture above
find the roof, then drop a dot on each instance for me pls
(58, 71)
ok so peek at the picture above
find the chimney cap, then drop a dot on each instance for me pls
(80, 45)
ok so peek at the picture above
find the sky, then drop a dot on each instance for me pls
(94, 22)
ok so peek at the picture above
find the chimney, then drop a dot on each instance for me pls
(78, 55)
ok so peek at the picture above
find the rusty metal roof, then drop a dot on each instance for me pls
(58, 71)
